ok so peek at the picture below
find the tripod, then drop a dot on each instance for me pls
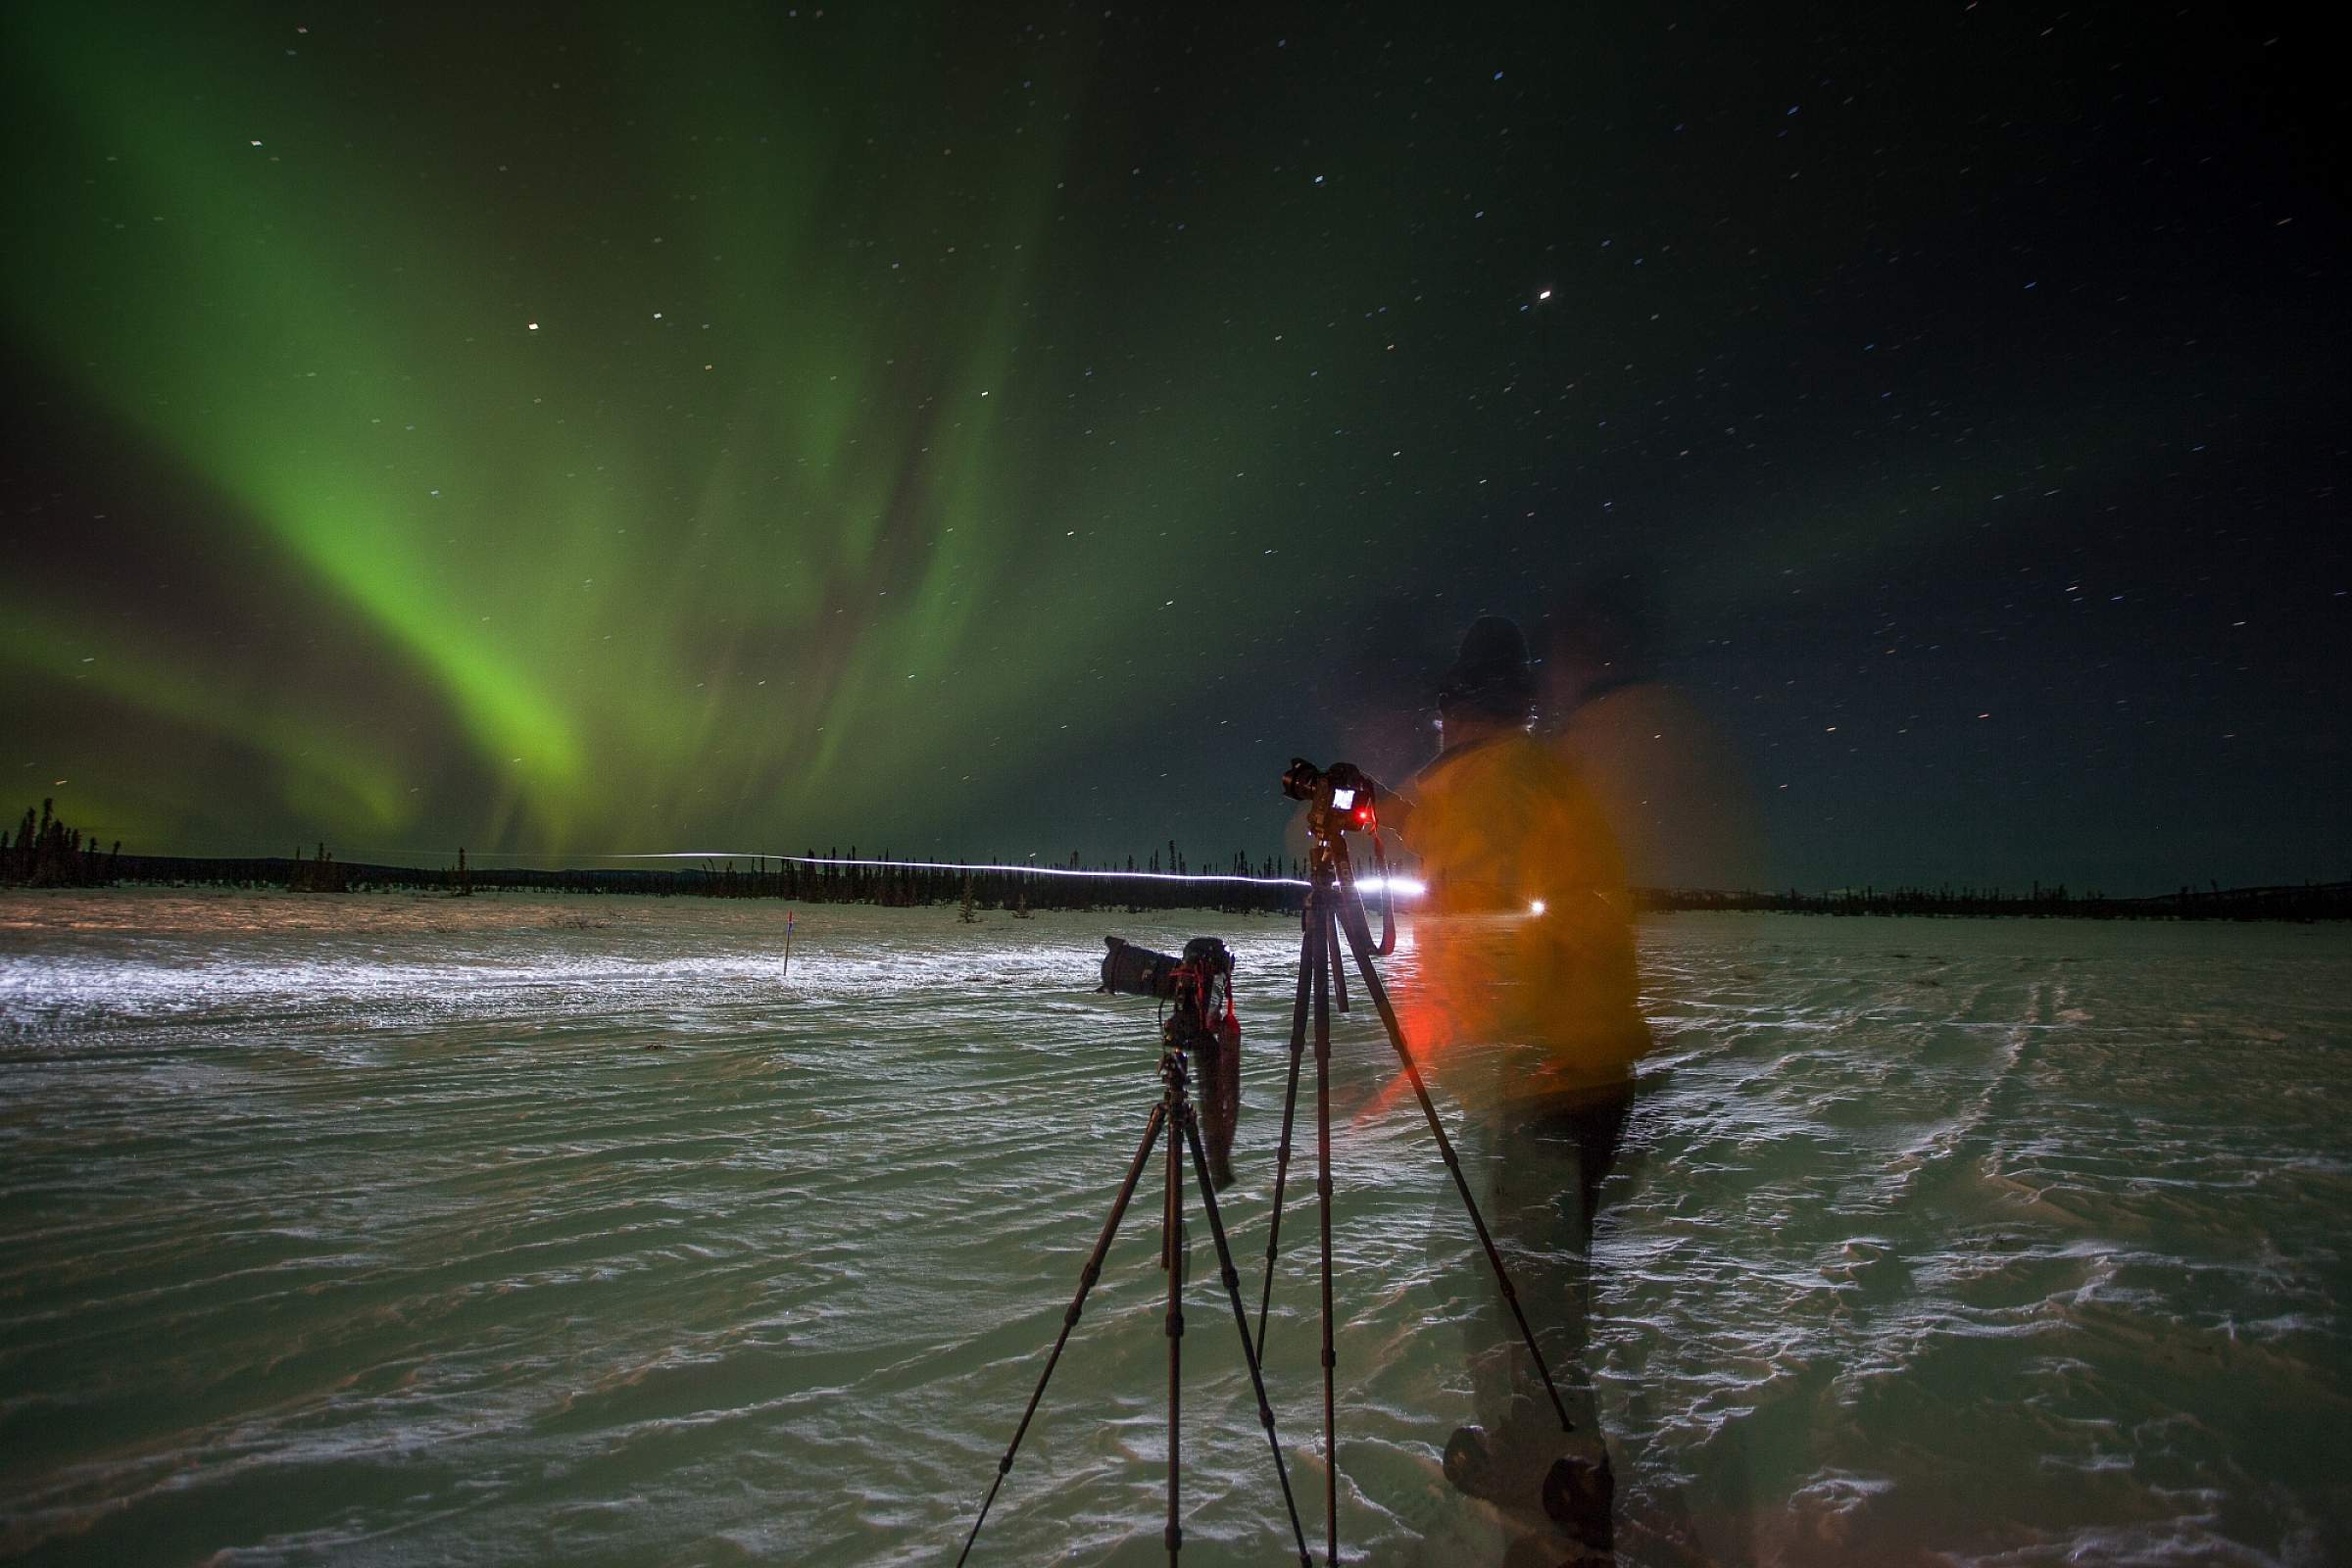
(1174, 1115)
(1333, 907)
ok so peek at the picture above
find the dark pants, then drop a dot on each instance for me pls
(1538, 1175)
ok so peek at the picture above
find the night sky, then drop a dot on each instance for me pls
(1916, 435)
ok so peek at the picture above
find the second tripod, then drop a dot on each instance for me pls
(1176, 1117)
(1341, 801)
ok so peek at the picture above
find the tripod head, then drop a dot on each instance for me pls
(1176, 1071)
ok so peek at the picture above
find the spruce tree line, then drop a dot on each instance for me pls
(45, 852)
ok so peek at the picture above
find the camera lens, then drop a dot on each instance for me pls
(1136, 971)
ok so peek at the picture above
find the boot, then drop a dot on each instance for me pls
(1579, 1495)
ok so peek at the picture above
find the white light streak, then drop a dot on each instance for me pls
(1403, 887)
(1399, 887)
(974, 865)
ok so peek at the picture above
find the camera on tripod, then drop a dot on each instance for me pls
(1203, 1024)
(1339, 800)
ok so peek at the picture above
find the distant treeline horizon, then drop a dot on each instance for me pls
(45, 851)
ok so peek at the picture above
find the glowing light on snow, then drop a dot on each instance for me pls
(1535, 907)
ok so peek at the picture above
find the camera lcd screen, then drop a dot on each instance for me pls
(1341, 799)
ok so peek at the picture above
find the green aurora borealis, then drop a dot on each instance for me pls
(976, 431)
(612, 480)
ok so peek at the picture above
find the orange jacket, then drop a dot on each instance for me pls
(1515, 1004)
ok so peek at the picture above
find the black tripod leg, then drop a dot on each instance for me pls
(1240, 1323)
(1360, 940)
(1339, 972)
(1070, 1319)
(1310, 955)
(1330, 1446)
(1172, 1252)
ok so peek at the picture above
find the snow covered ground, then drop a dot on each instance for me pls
(387, 1229)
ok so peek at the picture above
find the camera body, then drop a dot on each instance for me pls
(1200, 983)
(1339, 800)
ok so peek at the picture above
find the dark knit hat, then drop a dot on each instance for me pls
(1490, 676)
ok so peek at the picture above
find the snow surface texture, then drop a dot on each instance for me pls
(405, 1230)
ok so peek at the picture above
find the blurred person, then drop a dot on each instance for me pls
(1525, 1010)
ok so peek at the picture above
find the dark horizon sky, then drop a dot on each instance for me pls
(1917, 435)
